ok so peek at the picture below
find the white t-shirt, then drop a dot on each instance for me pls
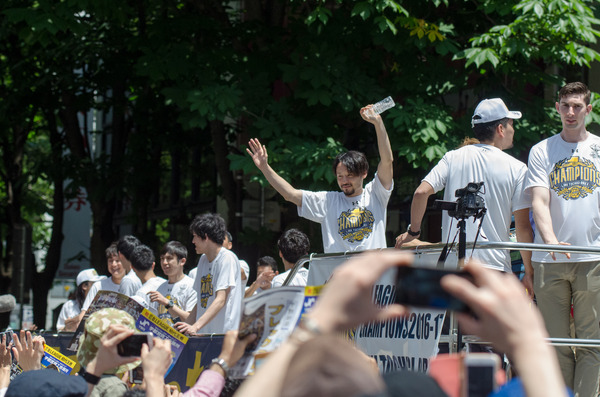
(141, 296)
(299, 279)
(69, 310)
(222, 273)
(130, 284)
(349, 223)
(503, 177)
(243, 265)
(571, 172)
(182, 294)
(106, 284)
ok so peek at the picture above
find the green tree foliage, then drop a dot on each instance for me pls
(182, 85)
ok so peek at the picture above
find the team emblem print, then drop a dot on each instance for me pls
(574, 178)
(356, 224)
(206, 290)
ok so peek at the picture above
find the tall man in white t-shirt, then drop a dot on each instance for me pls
(355, 218)
(503, 177)
(564, 180)
(293, 244)
(218, 280)
(175, 298)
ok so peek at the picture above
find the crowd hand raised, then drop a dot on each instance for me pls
(403, 239)
(347, 301)
(5, 363)
(264, 279)
(156, 296)
(258, 153)
(157, 361)
(233, 348)
(28, 351)
(108, 357)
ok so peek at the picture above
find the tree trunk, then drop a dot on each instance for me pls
(217, 131)
(42, 282)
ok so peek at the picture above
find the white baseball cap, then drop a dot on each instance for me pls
(88, 275)
(491, 110)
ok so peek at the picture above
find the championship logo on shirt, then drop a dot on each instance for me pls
(206, 290)
(574, 178)
(356, 224)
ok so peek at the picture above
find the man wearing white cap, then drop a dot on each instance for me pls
(502, 176)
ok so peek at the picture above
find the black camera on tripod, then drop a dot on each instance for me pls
(469, 202)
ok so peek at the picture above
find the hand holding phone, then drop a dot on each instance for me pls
(420, 287)
(132, 345)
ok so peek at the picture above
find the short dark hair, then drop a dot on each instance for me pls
(111, 251)
(142, 258)
(175, 248)
(355, 162)
(575, 88)
(80, 293)
(267, 261)
(126, 244)
(293, 245)
(209, 225)
(484, 132)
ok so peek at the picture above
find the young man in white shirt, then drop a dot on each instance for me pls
(218, 280)
(142, 263)
(293, 244)
(503, 177)
(131, 283)
(266, 270)
(174, 299)
(355, 218)
(563, 178)
(112, 283)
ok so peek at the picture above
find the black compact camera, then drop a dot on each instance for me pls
(469, 202)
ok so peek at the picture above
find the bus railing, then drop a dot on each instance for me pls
(452, 337)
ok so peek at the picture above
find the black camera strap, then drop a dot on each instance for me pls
(481, 215)
(447, 248)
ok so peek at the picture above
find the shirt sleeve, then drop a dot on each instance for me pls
(278, 281)
(314, 206)
(521, 199)
(209, 384)
(191, 298)
(129, 286)
(225, 275)
(537, 173)
(382, 194)
(438, 176)
(60, 323)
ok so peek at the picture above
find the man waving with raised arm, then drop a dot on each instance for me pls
(355, 218)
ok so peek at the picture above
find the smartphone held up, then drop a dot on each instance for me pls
(132, 345)
(420, 287)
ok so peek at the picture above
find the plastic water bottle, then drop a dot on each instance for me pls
(383, 105)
